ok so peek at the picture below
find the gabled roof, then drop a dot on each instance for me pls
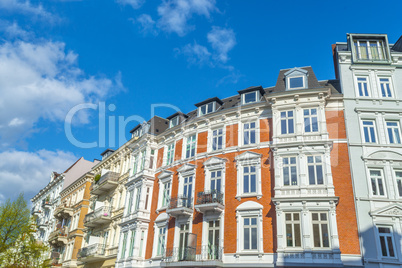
(79, 168)
(312, 81)
(157, 125)
(251, 89)
(398, 45)
(218, 100)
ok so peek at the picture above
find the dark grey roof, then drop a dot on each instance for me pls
(218, 100)
(156, 125)
(398, 45)
(176, 114)
(106, 151)
(312, 81)
(250, 89)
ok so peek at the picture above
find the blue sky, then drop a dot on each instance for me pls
(55, 55)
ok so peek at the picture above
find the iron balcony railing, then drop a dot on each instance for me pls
(92, 250)
(99, 212)
(180, 202)
(200, 253)
(208, 197)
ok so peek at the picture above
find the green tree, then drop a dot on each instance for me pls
(18, 247)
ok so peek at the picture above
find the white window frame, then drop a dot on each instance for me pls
(174, 121)
(357, 82)
(292, 222)
(380, 44)
(223, 136)
(386, 235)
(257, 97)
(286, 119)
(249, 130)
(315, 164)
(393, 128)
(389, 83)
(170, 151)
(249, 209)
(289, 166)
(186, 171)
(243, 160)
(398, 182)
(376, 178)
(164, 178)
(143, 154)
(162, 221)
(370, 135)
(292, 77)
(211, 165)
(190, 142)
(206, 106)
(205, 228)
(310, 117)
(321, 222)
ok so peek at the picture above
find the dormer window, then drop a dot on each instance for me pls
(206, 108)
(296, 82)
(251, 94)
(296, 78)
(174, 121)
(369, 47)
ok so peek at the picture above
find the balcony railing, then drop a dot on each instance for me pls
(92, 251)
(106, 182)
(59, 236)
(210, 201)
(201, 253)
(181, 205)
(56, 258)
(100, 216)
(46, 204)
(63, 211)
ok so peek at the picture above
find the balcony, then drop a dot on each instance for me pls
(207, 255)
(56, 258)
(43, 224)
(92, 253)
(210, 201)
(180, 206)
(58, 237)
(98, 217)
(63, 211)
(46, 204)
(36, 212)
(107, 182)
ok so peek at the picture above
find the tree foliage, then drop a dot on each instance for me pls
(18, 247)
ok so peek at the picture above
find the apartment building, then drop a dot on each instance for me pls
(43, 205)
(257, 179)
(107, 195)
(370, 72)
(66, 238)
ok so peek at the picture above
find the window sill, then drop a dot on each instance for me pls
(239, 197)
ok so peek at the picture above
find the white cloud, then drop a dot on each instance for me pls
(42, 81)
(13, 30)
(222, 41)
(135, 4)
(196, 54)
(24, 7)
(29, 172)
(147, 24)
(176, 13)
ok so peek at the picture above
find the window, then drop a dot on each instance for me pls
(190, 147)
(398, 175)
(310, 120)
(188, 187)
(362, 86)
(170, 154)
(251, 97)
(320, 229)
(296, 82)
(394, 132)
(166, 194)
(369, 50)
(315, 173)
(217, 139)
(138, 198)
(250, 233)
(289, 171)
(183, 241)
(161, 241)
(174, 121)
(132, 241)
(216, 180)
(369, 131)
(249, 133)
(377, 185)
(135, 164)
(292, 222)
(213, 239)
(386, 242)
(249, 179)
(143, 153)
(385, 86)
(206, 109)
(123, 249)
(141, 243)
(130, 201)
(287, 122)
